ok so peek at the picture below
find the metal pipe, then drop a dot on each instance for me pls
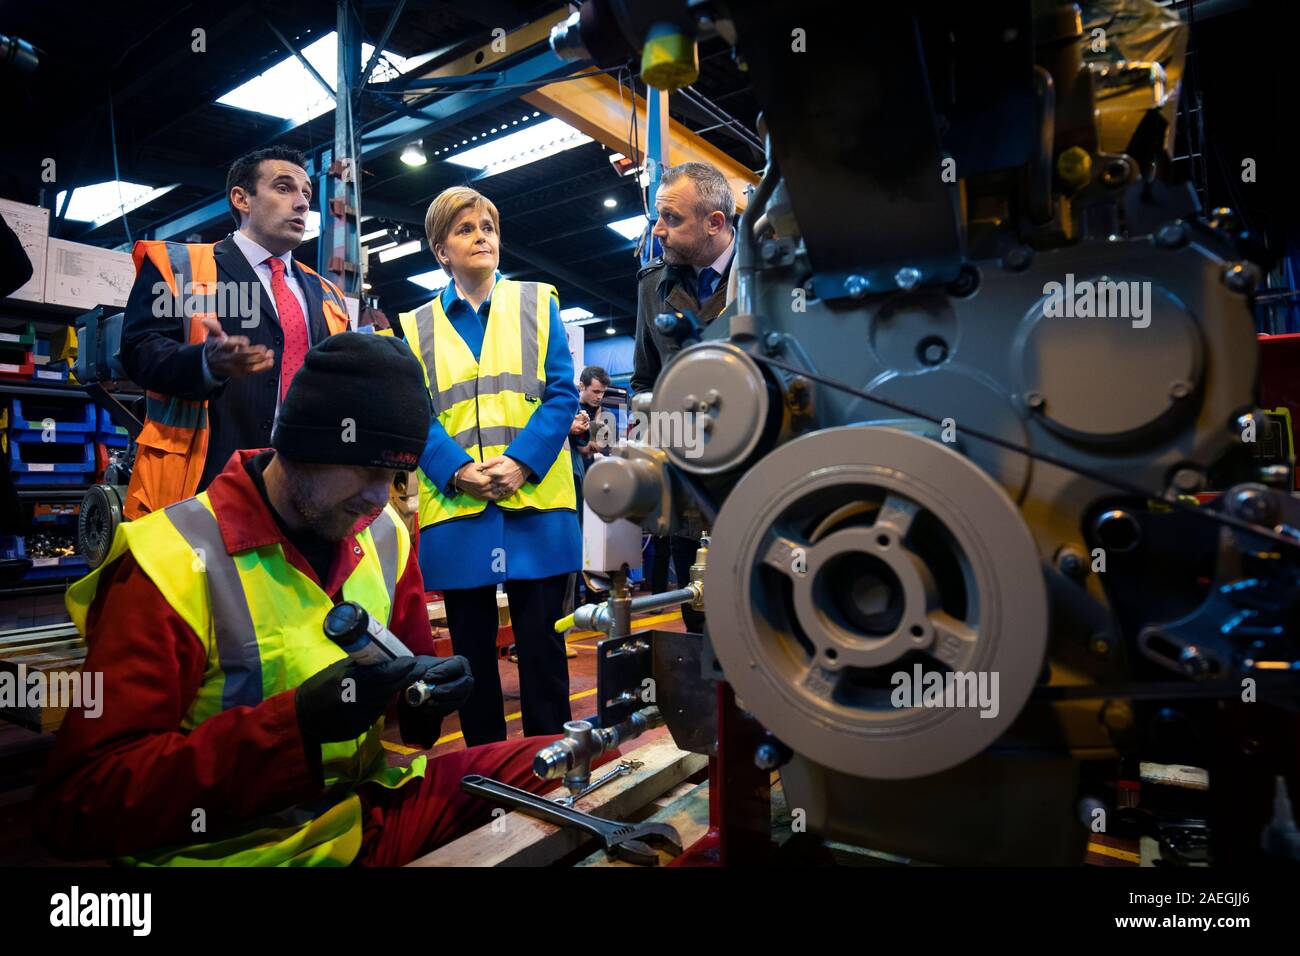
(570, 757)
(746, 253)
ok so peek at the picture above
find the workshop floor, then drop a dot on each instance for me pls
(22, 752)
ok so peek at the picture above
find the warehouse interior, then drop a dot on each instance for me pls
(899, 442)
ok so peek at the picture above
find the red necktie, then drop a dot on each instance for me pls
(292, 323)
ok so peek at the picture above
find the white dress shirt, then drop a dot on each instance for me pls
(719, 265)
(259, 259)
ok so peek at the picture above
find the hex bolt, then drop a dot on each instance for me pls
(689, 403)
(856, 286)
(1115, 173)
(1017, 258)
(1179, 390)
(1241, 276)
(772, 343)
(1172, 235)
(771, 251)
(934, 353)
(1071, 561)
(1193, 661)
(907, 277)
(1255, 505)
(1035, 400)
(711, 397)
(1188, 480)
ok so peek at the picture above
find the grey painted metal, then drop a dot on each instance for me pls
(810, 701)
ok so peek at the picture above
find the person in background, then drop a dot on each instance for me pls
(497, 500)
(584, 437)
(696, 229)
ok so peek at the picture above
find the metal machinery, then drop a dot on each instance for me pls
(914, 463)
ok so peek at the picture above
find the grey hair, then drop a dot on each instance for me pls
(715, 191)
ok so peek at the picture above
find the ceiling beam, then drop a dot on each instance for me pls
(592, 104)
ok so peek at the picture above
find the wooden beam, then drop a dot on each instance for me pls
(590, 102)
(517, 839)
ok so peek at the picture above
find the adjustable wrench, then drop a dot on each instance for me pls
(623, 840)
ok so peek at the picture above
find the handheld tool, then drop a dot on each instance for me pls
(626, 841)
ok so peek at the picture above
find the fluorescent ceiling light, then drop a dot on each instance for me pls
(610, 202)
(413, 154)
(380, 248)
(609, 330)
(574, 313)
(433, 281)
(288, 91)
(104, 202)
(528, 145)
(374, 235)
(405, 249)
(629, 228)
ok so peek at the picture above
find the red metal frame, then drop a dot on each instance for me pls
(740, 794)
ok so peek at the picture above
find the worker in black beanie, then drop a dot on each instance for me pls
(357, 400)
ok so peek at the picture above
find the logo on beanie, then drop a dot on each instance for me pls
(401, 460)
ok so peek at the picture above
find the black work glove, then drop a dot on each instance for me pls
(452, 684)
(330, 710)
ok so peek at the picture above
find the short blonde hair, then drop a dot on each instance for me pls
(449, 204)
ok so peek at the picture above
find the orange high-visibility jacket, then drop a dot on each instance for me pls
(173, 446)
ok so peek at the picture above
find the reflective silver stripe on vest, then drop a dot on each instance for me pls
(492, 435)
(487, 385)
(424, 332)
(383, 532)
(232, 622)
(529, 340)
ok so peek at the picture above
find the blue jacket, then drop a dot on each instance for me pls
(499, 545)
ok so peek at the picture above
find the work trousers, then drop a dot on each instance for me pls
(682, 550)
(401, 825)
(535, 606)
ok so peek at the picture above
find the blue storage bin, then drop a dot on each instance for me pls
(70, 453)
(68, 414)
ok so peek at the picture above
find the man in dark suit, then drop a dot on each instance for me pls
(695, 227)
(244, 367)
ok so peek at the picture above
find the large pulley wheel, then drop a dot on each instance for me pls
(854, 568)
(101, 513)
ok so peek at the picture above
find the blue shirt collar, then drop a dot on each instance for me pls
(450, 296)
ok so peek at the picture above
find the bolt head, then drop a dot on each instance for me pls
(1172, 235)
(1179, 390)
(1241, 276)
(1254, 505)
(1035, 400)
(772, 342)
(766, 757)
(1100, 646)
(908, 277)
(689, 403)
(771, 250)
(856, 286)
(1017, 259)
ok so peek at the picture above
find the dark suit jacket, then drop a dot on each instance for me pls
(665, 288)
(154, 353)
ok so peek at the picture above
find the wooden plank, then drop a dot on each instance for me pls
(688, 814)
(516, 839)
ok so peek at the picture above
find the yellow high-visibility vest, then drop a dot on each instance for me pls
(484, 404)
(260, 620)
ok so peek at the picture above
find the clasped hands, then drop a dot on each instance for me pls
(491, 480)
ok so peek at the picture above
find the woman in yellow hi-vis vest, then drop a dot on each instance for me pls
(497, 501)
